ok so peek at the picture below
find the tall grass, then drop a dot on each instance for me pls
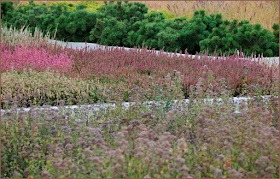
(21, 36)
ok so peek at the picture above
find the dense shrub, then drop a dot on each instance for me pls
(200, 26)
(33, 15)
(109, 31)
(170, 35)
(115, 21)
(233, 35)
(75, 26)
(129, 24)
(6, 9)
(275, 44)
(146, 30)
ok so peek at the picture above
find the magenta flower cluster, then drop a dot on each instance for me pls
(32, 56)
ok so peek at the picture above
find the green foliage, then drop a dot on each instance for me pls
(147, 30)
(115, 21)
(90, 6)
(229, 36)
(6, 9)
(170, 35)
(108, 31)
(129, 24)
(66, 25)
(166, 14)
(200, 26)
(76, 26)
(275, 44)
(33, 15)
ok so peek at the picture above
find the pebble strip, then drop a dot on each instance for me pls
(174, 104)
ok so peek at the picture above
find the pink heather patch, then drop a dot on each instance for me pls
(30, 56)
(121, 64)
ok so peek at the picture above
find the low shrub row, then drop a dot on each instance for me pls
(129, 24)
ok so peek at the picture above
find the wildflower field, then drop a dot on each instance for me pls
(197, 140)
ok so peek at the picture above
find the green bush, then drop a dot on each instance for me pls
(66, 25)
(108, 31)
(168, 15)
(40, 16)
(233, 35)
(6, 9)
(129, 24)
(147, 30)
(200, 26)
(170, 36)
(90, 6)
(115, 21)
(76, 26)
(275, 46)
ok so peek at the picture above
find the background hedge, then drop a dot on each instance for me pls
(129, 24)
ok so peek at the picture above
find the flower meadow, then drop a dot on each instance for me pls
(197, 141)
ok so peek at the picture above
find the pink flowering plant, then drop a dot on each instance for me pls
(30, 56)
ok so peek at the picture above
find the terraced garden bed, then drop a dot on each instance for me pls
(103, 112)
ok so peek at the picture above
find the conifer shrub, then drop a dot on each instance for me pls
(275, 44)
(170, 36)
(129, 24)
(115, 21)
(147, 30)
(63, 24)
(33, 15)
(232, 35)
(108, 31)
(6, 9)
(75, 26)
(200, 26)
